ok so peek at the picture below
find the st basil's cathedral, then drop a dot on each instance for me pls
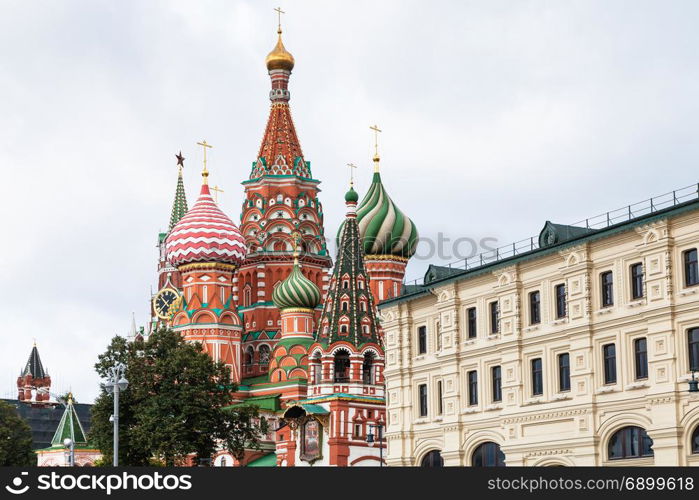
(302, 338)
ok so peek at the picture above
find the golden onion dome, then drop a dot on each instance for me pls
(279, 58)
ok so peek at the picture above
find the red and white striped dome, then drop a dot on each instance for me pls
(205, 234)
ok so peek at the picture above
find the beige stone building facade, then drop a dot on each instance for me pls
(574, 352)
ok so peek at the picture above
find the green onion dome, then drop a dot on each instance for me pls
(383, 228)
(351, 195)
(296, 291)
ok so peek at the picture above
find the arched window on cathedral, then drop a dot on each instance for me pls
(432, 459)
(247, 296)
(264, 355)
(368, 368)
(342, 366)
(316, 368)
(249, 358)
(695, 440)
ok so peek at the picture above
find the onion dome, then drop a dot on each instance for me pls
(296, 291)
(383, 228)
(351, 196)
(279, 58)
(205, 234)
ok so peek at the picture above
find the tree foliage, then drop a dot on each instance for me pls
(174, 404)
(15, 439)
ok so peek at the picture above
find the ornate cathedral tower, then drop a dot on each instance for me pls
(296, 297)
(206, 247)
(348, 354)
(345, 400)
(281, 198)
(388, 236)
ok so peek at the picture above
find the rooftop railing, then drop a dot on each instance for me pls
(602, 221)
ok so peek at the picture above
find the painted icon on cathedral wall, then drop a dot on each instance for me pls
(311, 430)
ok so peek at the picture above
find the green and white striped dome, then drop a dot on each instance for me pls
(296, 291)
(383, 228)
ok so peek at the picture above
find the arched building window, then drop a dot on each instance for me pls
(432, 459)
(247, 296)
(488, 455)
(342, 366)
(695, 440)
(264, 354)
(249, 357)
(630, 442)
(368, 368)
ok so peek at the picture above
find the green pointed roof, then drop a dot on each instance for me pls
(34, 367)
(296, 291)
(179, 206)
(69, 427)
(345, 287)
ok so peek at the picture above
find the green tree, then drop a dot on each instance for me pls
(15, 439)
(174, 405)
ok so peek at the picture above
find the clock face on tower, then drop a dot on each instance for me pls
(165, 303)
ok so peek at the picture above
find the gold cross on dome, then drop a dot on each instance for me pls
(351, 166)
(217, 190)
(279, 12)
(376, 130)
(206, 146)
(205, 173)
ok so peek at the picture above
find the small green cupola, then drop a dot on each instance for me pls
(351, 196)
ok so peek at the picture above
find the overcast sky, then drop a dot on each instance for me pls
(496, 116)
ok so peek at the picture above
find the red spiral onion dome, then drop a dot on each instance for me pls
(205, 234)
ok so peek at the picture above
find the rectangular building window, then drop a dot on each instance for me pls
(473, 388)
(640, 351)
(472, 317)
(561, 309)
(693, 339)
(537, 377)
(440, 404)
(358, 430)
(637, 281)
(564, 372)
(691, 268)
(497, 383)
(422, 396)
(607, 279)
(422, 339)
(494, 317)
(534, 308)
(609, 355)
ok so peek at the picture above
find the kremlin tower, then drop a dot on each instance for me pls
(179, 209)
(34, 380)
(389, 238)
(281, 199)
(206, 247)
